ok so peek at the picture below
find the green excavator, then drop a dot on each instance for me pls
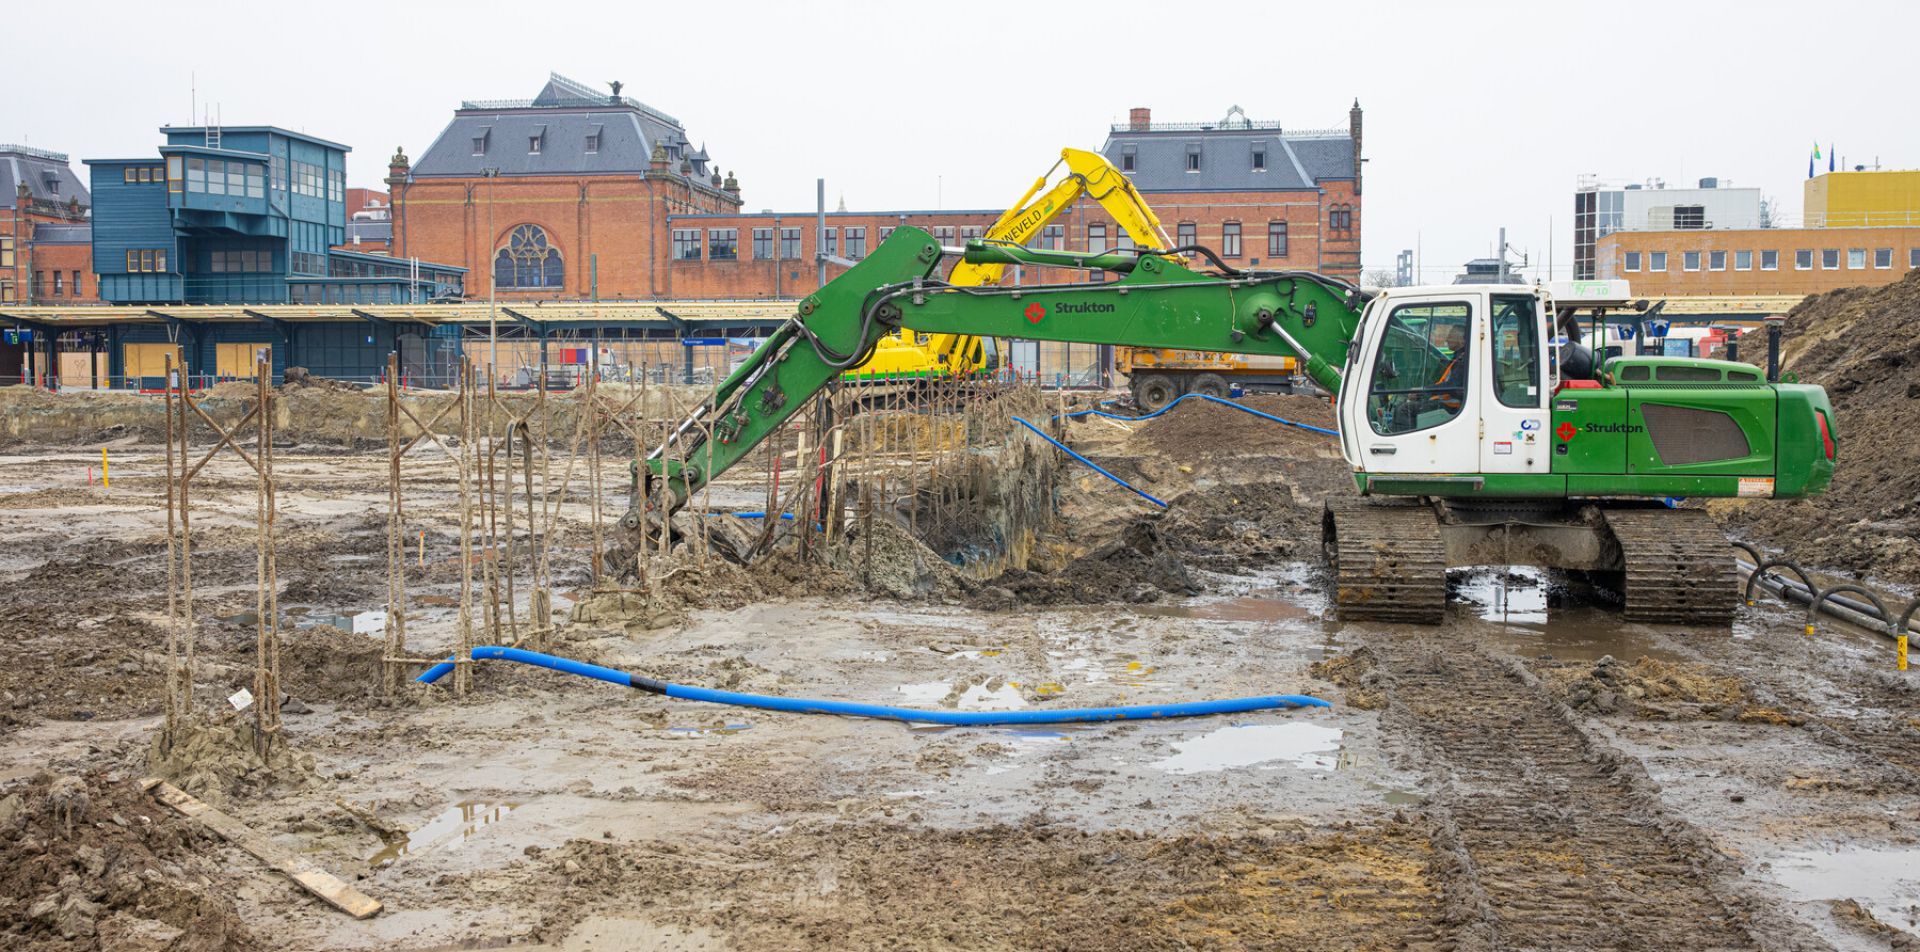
(1479, 430)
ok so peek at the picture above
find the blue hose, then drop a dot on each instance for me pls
(766, 702)
(1090, 463)
(1224, 403)
(788, 516)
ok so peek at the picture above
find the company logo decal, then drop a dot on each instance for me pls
(1565, 432)
(1035, 312)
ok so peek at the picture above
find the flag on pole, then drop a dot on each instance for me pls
(1830, 156)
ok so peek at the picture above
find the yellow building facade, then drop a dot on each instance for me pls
(1862, 199)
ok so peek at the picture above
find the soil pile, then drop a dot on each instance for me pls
(217, 762)
(1202, 428)
(299, 378)
(1658, 690)
(92, 863)
(1234, 526)
(680, 582)
(1359, 672)
(1863, 345)
(1135, 566)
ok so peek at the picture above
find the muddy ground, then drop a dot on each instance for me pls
(1534, 773)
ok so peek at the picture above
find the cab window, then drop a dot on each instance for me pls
(1420, 373)
(1516, 350)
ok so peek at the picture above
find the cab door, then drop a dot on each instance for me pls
(1513, 388)
(1416, 409)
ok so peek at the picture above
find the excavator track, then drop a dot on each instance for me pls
(1679, 570)
(1388, 561)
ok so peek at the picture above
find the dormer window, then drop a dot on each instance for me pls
(480, 142)
(593, 140)
(1193, 156)
(533, 143)
(1259, 160)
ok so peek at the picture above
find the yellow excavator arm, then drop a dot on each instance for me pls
(1087, 174)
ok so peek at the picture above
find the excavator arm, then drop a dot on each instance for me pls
(1158, 301)
(1088, 174)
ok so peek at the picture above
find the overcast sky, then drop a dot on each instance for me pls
(1478, 115)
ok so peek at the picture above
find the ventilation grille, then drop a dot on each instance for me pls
(1683, 435)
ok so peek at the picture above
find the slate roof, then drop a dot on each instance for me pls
(47, 174)
(369, 231)
(63, 233)
(565, 113)
(1293, 160)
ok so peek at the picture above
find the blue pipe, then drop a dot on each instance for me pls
(767, 702)
(1189, 396)
(1090, 463)
(788, 516)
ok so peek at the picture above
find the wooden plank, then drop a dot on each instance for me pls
(315, 880)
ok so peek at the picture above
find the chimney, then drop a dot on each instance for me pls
(1139, 119)
(1353, 128)
(658, 161)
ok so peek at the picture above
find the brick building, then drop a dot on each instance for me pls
(564, 196)
(45, 256)
(1258, 194)
(1862, 228)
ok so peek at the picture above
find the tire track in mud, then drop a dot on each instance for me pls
(1546, 839)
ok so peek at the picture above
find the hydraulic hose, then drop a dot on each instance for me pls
(1851, 610)
(1090, 463)
(852, 709)
(1203, 396)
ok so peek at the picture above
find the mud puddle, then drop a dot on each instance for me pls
(448, 830)
(1533, 615)
(1258, 746)
(1885, 881)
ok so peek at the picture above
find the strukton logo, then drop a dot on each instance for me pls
(1035, 312)
(1565, 432)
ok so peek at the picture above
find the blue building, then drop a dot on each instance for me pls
(242, 215)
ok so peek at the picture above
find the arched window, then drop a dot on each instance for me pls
(528, 261)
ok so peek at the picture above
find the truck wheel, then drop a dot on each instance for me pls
(1212, 385)
(1153, 392)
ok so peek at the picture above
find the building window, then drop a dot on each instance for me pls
(1856, 259)
(59, 287)
(277, 166)
(534, 141)
(886, 231)
(1829, 259)
(686, 244)
(256, 181)
(175, 182)
(127, 175)
(1716, 261)
(723, 244)
(972, 233)
(831, 241)
(196, 174)
(529, 260)
(943, 235)
(790, 244)
(1913, 257)
(1259, 160)
(1883, 257)
(1193, 160)
(76, 284)
(1742, 260)
(1690, 261)
(762, 244)
(1126, 162)
(1186, 235)
(1340, 218)
(1123, 241)
(1633, 261)
(1276, 239)
(480, 144)
(1096, 239)
(1689, 216)
(593, 142)
(1656, 261)
(1769, 260)
(1803, 260)
(1054, 238)
(147, 260)
(6, 251)
(1230, 240)
(856, 242)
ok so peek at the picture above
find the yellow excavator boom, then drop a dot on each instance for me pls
(1087, 174)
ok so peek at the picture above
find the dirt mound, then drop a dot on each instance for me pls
(1135, 566)
(900, 565)
(1863, 345)
(92, 863)
(1659, 690)
(217, 762)
(1204, 428)
(323, 663)
(680, 582)
(1233, 526)
(299, 378)
(1358, 672)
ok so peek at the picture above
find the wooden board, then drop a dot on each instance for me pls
(315, 880)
